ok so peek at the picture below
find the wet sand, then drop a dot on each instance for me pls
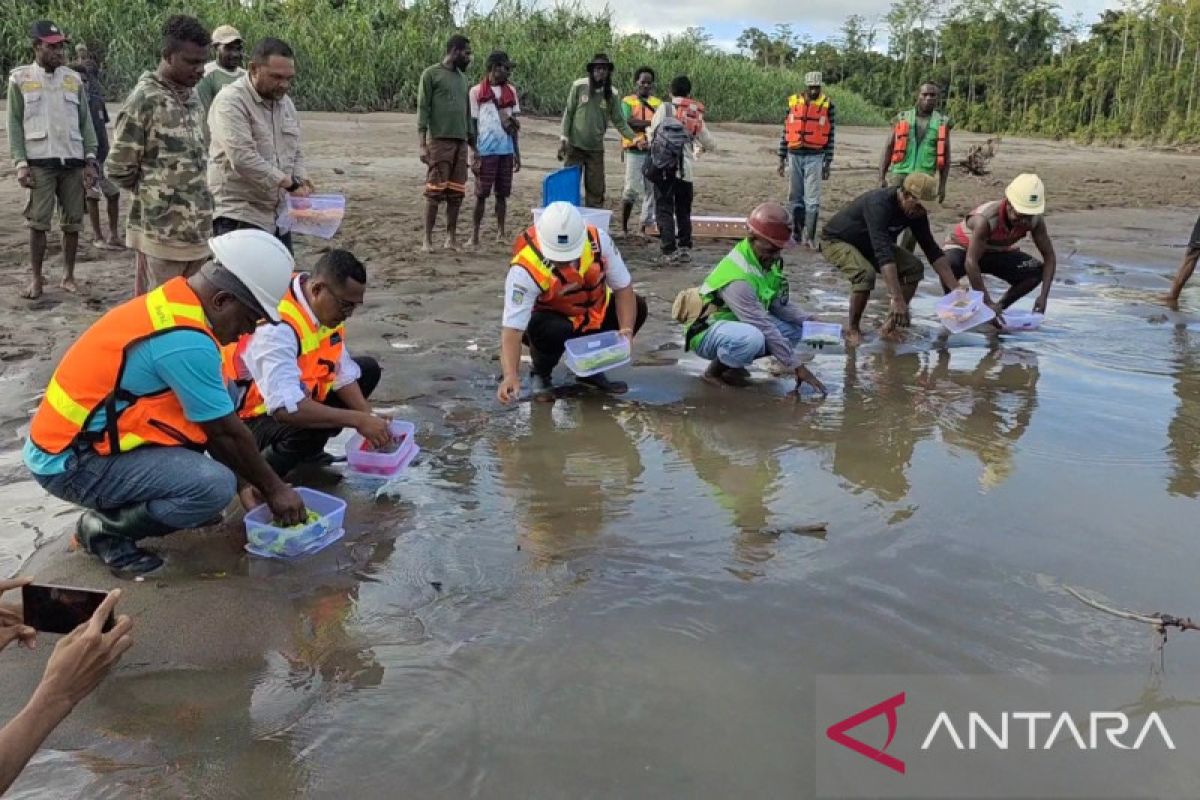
(620, 597)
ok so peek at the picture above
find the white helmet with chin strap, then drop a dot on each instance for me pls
(561, 232)
(259, 262)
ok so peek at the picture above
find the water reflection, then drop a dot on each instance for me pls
(1183, 432)
(569, 475)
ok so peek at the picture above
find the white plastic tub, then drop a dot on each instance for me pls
(962, 310)
(819, 334)
(365, 461)
(600, 217)
(599, 352)
(316, 215)
(1016, 321)
(270, 541)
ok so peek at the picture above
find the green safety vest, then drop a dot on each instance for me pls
(920, 156)
(740, 265)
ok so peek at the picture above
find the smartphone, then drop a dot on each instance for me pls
(60, 609)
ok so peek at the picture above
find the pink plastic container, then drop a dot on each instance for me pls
(365, 461)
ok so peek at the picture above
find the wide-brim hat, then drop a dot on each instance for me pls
(600, 60)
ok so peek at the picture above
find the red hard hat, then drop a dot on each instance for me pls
(772, 222)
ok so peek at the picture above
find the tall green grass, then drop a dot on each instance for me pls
(367, 55)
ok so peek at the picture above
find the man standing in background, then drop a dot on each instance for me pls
(53, 144)
(158, 156)
(445, 134)
(255, 158)
(806, 147)
(494, 110)
(638, 110)
(88, 66)
(226, 69)
(919, 142)
(591, 106)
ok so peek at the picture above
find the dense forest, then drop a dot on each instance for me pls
(1006, 65)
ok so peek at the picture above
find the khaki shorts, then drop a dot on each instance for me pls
(61, 186)
(447, 175)
(859, 270)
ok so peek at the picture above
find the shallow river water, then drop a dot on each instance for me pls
(627, 599)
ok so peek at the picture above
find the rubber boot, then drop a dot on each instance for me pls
(112, 536)
(281, 463)
(626, 212)
(600, 382)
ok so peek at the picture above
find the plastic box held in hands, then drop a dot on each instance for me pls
(589, 355)
(266, 539)
(1015, 321)
(317, 215)
(366, 461)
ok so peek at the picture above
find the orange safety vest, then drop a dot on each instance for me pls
(320, 350)
(578, 290)
(900, 143)
(640, 111)
(88, 380)
(807, 126)
(691, 114)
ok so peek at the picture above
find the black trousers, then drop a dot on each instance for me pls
(286, 446)
(225, 225)
(549, 331)
(673, 214)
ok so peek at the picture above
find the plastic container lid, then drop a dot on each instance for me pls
(263, 537)
(599, 217)
(316, 215)
(599, 352)
(562, 184)
(365, 461)
(821, 333)
(1022, 320)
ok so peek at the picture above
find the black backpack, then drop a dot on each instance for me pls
(665, 159)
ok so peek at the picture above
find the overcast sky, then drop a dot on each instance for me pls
(820, 19)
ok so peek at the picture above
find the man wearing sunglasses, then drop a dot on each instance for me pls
(860, 241)
(299, 384)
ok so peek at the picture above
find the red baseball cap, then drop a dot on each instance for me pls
(47, 32)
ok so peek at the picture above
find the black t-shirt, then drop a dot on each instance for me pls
(871, 224)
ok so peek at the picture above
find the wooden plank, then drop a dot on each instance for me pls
(712, 227)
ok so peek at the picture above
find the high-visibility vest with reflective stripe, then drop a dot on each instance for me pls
(641, 111)
(88, 380)
(578, 290)
(319, 348)
(927, 155)
(807, 126)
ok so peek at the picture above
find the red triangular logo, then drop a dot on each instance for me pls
(837, 732)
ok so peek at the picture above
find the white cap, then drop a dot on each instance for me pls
(813, 79)
(1027, 194)
(561, 232)
(260, 263)
(226, 34)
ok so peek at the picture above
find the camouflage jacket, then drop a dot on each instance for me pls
(158, 155)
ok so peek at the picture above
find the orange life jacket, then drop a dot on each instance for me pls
(578, 291)
(88, 380)
(690, 113)
(319, 352)
(641, 112)
(901, 132)
(807, 126)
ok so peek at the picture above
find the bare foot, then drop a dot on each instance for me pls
(69, 285)
(427, 247)
(451, 244)
(34, 290)
(853, 337)
(114, 241)
(473, 242)
(1169, 300)
(101, 244)
(502, 238)
(249, 497)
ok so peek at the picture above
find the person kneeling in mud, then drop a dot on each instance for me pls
(566, 280)
(985, 243)
(860, 241)
(746, 314)
(300, 385)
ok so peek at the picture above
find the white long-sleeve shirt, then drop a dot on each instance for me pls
(521, 290)
(271, 359)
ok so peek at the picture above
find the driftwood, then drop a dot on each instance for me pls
(979, 157)
(1158, 621)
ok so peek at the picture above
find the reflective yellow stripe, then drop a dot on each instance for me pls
(194, 313)
(129, 441)
(309, 339)
(64, 404)
(164, 313)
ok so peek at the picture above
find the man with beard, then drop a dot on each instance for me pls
(592, 106)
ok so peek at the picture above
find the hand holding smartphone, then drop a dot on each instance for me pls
(61, 609)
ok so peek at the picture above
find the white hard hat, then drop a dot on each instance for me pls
(260, 263)
(1027, 194)
(561, 232)
(812, 79)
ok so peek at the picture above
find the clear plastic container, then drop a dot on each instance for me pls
(265, 538)
(365, 461)
(1022, 320)
(819, 334)
(316, 215)
(589, 355)
(962, 310)
(599, 217)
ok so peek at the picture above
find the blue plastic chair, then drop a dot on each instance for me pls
(562, 184)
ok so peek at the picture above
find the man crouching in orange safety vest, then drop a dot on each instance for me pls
(566, 280)
(300, 386)
(138, 398)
